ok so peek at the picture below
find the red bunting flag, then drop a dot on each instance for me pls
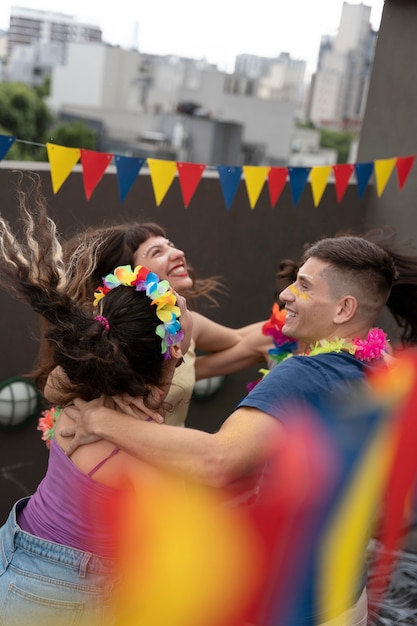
(189, 175)
(277, 177)
(342, 174)
(404, 165)
(94, 165)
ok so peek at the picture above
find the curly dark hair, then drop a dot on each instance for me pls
(125, 358)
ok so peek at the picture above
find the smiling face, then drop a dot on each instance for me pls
(311, 310)
(161, 256)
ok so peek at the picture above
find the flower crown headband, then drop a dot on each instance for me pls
(160, 293)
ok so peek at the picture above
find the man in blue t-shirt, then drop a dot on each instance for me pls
(341, 287)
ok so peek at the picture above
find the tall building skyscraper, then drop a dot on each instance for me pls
(340, 84)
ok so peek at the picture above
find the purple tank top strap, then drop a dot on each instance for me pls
(99, 465)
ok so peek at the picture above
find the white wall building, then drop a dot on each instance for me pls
(340, 83)
(129, 93)
(306, 150)
(29, 26)
(37, 40)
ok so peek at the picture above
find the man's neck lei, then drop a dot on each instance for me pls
(375, 346)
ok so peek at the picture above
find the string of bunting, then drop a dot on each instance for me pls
(94, 164)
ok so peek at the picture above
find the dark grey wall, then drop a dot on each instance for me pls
(242, 245)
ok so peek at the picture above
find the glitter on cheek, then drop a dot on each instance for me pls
(298, 293)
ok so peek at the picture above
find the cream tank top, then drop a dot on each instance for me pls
(179, 396)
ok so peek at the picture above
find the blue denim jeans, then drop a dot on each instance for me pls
(43, 583)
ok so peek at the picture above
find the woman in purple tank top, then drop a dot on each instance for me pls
(57, 548)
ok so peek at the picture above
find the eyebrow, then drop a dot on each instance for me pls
(306, 276)
(156, 245)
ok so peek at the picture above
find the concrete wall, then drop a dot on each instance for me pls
(243, 245)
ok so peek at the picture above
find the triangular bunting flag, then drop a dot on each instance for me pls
(383, 171)
(318, 179)
(255, 177)
(342, 174)
(298, 178)
(94, 165)
(190, 175)
(277, 177)
(162, 175)
(6, 142)
(128, 169)
(404, 165)
(61, 160)
(363, 172)
(229, 180)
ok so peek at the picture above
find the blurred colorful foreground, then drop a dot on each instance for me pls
(346, 469)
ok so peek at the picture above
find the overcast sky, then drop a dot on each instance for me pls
(217, 31)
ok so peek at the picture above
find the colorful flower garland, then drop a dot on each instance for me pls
(47, 423)
(160, 293)
(375, 346)
(283, 346)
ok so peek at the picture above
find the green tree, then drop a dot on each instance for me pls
(44, 89)
(339, 141)
(24, 114)
(74, 135)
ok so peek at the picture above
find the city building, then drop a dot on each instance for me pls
(306, 150)
(37, 40)
(278, 78)
(134, 94)
(339, 87)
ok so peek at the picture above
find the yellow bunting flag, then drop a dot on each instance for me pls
(61, 160)
(318, 181)
(383, 171)
(255, 178)
(162, 175)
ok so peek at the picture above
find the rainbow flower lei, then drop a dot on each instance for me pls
(373, 347)
(47, 423)
(283, 346)
(160, 293)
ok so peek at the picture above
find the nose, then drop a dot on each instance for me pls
(287, 295)
(176, 253)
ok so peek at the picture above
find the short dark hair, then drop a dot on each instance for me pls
(382, 270)
(357, 267)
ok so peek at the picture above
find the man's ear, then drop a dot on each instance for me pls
(346, 309)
